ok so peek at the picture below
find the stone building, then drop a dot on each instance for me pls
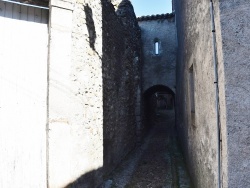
(81, 78)
(208, 134)
(75, 95)
(159, 47)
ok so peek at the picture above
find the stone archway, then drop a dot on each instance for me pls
(155, 99)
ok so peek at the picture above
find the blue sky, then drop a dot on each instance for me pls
(149, 7)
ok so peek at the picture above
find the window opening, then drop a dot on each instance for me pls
(191, 89)
(156, 48)
(192, 94)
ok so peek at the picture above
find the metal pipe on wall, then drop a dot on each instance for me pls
(217, 91)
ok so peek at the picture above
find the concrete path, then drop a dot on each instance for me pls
(157, 163)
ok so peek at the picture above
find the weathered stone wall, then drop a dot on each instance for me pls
(121, 73)
(197, 129)
(234, 19)
(158, 69)
(75, 138)
(94, 77)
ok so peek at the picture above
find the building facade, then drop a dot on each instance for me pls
(215, 142)
(77, 77)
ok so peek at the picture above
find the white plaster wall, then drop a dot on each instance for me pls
(23, 94)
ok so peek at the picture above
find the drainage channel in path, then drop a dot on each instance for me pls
(157, 163)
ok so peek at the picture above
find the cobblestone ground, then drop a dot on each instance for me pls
(157, 163)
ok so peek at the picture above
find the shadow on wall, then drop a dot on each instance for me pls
(87, 180)
(90, 26)
(154, 98)
(120, 72)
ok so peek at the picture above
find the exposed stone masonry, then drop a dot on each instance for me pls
(105, 79)
(76, 94)
(121, 76)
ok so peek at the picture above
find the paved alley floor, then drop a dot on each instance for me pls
(157, 163)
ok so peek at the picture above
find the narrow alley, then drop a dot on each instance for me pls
(157, 162)
(100, 94)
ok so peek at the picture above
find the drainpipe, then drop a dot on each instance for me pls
(217, 91)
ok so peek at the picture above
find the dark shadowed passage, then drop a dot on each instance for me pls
(158, 161)
(158, 97)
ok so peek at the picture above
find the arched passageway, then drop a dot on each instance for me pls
(158, 161)
(158, 101)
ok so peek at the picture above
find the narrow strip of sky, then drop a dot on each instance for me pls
(150, 7)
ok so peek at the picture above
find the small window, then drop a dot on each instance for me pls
(192, 94)
(191, 88)
(156, 48)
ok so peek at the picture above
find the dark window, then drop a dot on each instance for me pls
(191, 88)
(192, 94)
